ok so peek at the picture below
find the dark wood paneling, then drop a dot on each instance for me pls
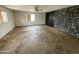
(49, 19)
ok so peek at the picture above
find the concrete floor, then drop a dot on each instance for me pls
(38, 40)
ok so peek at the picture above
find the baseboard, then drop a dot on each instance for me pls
(7, 33)
(32, 25)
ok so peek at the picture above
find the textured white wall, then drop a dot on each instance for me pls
(7, 26)
(20, 18)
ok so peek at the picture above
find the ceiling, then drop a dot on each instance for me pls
(31, 8)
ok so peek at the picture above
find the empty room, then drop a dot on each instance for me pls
(39, 29)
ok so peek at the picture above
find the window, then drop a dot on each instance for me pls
(31, 17)
(3, 16)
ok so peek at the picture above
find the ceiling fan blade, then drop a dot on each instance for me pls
(40, 9)
(36, 8)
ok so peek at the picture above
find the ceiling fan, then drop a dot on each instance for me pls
(37, 9)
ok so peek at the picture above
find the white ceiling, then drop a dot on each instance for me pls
(31, 8)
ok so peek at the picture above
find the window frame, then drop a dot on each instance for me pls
(4, 15)
(30, 17)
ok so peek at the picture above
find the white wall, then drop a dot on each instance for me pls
(20, 18)
(7, 26)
